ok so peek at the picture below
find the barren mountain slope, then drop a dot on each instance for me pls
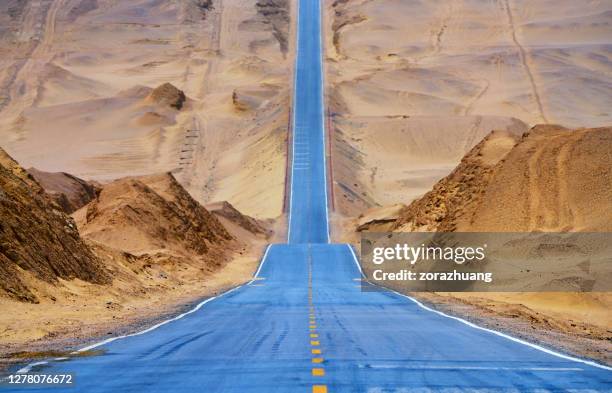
(553, 179)
(68, 191)
(227, 213)
(38, 239)
(153, 214)
(147, 248)
(433, 78)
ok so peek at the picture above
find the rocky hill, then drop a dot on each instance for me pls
(36, 238)
(68, 191)
(224, 211)
(149, 219)
(140, 248)
(550, 179)
(151, 214)
(167, 95)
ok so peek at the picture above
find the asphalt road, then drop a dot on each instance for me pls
(308, 216)
(303, 324)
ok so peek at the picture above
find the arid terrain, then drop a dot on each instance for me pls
(155, 140)
(130, 117)
(140, 249)
(550, 179)
(76, 78)
(409, 97)
(413, 85)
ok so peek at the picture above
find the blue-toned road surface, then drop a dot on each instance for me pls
(304, 325)
(308, 218)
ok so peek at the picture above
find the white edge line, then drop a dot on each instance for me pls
(263, 260)
(30, 366)
(356, 261)
(323, 118)
(497, 333)
(482, 368)
(149, 329)
(293, 125)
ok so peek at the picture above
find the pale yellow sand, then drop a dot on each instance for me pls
(73, 104)
(414, 84)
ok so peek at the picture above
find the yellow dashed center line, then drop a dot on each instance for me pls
(316, 371)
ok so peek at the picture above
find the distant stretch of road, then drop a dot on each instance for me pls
(304, 325)
(308, 216)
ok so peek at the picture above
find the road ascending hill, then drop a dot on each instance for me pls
(304, 325)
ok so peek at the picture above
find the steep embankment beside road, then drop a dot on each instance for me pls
(551, 179)
(37, 239)
(146, 248)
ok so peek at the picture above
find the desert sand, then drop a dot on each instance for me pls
(550, 179)
(75, 313)
(413, 86)
(97, 90)
(140, 250)
(75, 76)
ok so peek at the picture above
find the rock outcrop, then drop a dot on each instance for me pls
(167, 95)
(148, 215)
(68, 191)
(550, 179)
(38, 239)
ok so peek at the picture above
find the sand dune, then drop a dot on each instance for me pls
(67, 64)
(502, 58)
(62, 87)
(551, 179)
(457, 67)
(385, 160)
(100, 138)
